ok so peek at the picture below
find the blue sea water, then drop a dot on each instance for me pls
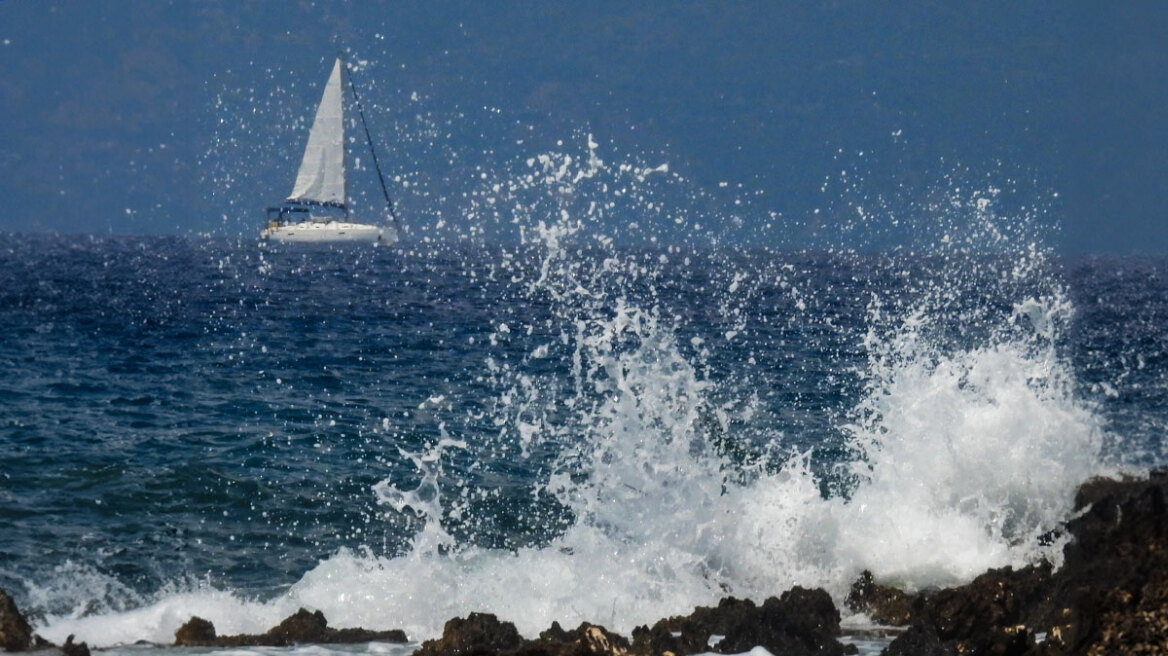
(557, 428)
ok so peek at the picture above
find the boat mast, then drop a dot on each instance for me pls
(369, 140)
(344, 150)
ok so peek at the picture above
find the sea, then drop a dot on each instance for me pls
(605, 409)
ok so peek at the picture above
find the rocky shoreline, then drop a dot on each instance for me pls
(1110, 596)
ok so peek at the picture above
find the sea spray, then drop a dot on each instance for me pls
(970, 439)
(632, 422)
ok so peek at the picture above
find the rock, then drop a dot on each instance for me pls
(802, 618)
(484, 635)
(302, 627)
(1136, 628)
(17, 635)
(596, 640)
(799, 622)
(988, 614)
(885, 605)
(556, 634)
(919, 640)
(197, 632)
(15, 632)
(74, 649)
(479, 634)
(1110, 595)
(586, 640)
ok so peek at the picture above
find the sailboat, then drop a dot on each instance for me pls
(317, 210)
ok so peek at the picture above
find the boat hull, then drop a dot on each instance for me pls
(330, 231)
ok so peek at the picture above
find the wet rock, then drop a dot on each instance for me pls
(556, 634)
(596, 640)
(305, 628)
(17, 635)
(586, 640)
(197, 632)
(71, 648)
(885, 605)
(919, 640)
(15, 632)
(478, 634)
(1135, 628)
(481, 634)
(302, 627)
(1110, 595)
(799, 622)
(989, 614)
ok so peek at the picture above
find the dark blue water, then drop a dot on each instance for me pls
(177, 409)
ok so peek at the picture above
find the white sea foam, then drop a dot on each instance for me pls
(964, 453)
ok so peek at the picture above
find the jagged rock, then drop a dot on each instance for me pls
(15, 633)
(71, 648)
(988, 614)
(302, 627)
(885, 605)
(556, 634)
(596, 640)
(1110, 595)
(479, 634)
(1136, 628)
(586, 640)
(919, 640)
(197, 632)
(482, 634)
(799, 622)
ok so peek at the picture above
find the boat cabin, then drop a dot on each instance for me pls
(291, 213)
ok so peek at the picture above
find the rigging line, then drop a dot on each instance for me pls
(369, 140)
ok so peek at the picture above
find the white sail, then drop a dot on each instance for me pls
(321, 178)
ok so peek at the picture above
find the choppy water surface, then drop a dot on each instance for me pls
(557, 427)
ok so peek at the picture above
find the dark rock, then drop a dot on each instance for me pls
(479, 634)
(302, 627)
(556, 634)
(484, 635)
(353, 636)
(1132, 627)
(994, 603)
(15, 633)
(197, 632)
(993, 614)
(883, 604)
(808, 616)
(598, 641)
(799, 622)
(1109, 596)
(919, 640)
(71, 648)
(586, 640)
(691, 634)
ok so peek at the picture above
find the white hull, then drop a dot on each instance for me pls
(330, 231)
